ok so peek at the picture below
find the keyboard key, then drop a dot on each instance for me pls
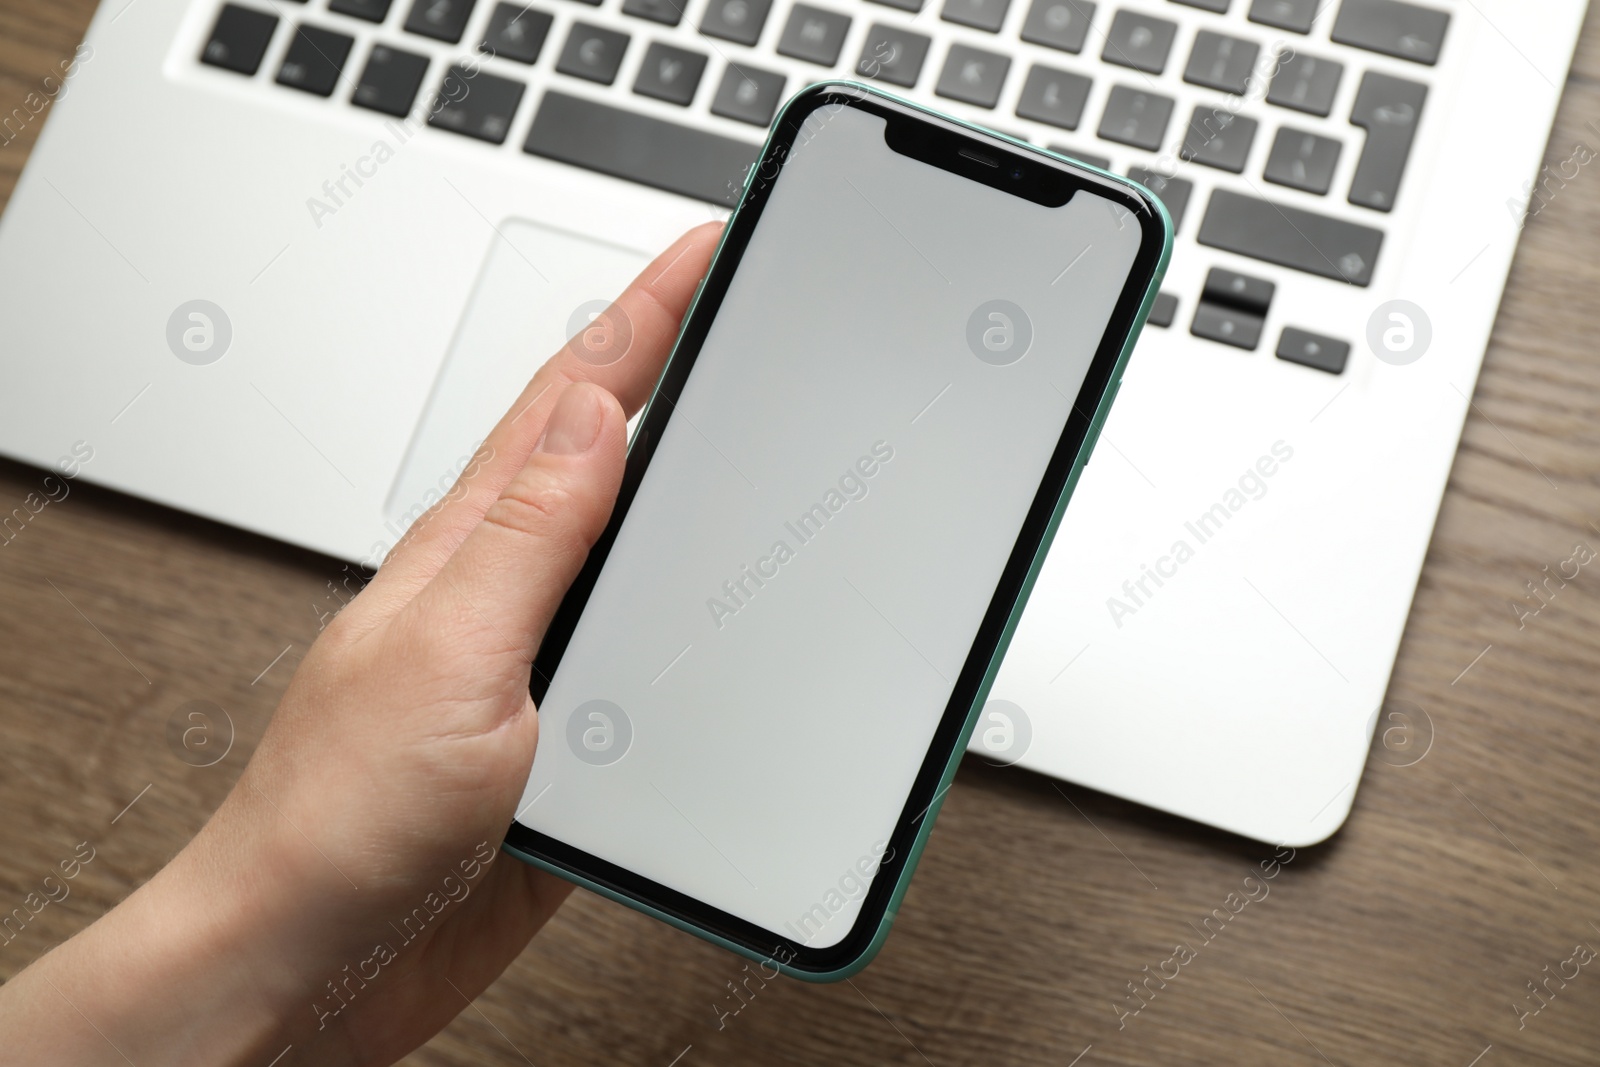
(1313, 350)
(1406, 31)
(390, 81)
(239, 39)
(814, 35)
(1388, 109)
(1163, 310)
(748, 94)
(593, 53)
(973, 76)
(1053, 96)
(1219, 6)
(371, 10)
(443, 20)
(476, 104)
(1218, 138)
(1302, 160)
(1135, 117)
(1233, 308)
(1082, 157)
(670, 74)
(1139, 41)
(735, 20)
(314, 60)
(1305, 83)
(666, 12)
(893, 55)
(1233, 289)
(1221, 62)
(1174, 192)
(1294, 15)
(1230, 326)
(516, 32)
(979, 14)
(903, 5)
(639, 148)
(1059, 24)
(1291, 237)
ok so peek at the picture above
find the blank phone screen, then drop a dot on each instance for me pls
(758, 673)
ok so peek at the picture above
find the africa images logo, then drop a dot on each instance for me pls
(999, 332)
(199, 333)
(599, 732)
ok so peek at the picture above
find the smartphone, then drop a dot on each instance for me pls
(755, 695)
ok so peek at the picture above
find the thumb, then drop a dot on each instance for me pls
(497, 592)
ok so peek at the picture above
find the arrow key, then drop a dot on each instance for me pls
(1313, 350)
(1227, 325)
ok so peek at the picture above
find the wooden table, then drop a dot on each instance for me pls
(1408, 938)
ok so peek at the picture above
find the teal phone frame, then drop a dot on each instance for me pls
(911, 832)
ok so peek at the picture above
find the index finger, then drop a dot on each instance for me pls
(623, 352)
(623, 349)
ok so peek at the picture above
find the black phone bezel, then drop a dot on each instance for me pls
(938, 140)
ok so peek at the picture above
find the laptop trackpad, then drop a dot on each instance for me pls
(533, 283)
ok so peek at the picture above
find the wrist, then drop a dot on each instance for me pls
(192, 968)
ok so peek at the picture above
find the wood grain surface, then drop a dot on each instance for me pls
(1410, 937)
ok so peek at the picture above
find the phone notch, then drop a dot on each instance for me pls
(1020, 174)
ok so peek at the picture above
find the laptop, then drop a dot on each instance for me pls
(281, 263)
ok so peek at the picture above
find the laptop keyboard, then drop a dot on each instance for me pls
(729, 64)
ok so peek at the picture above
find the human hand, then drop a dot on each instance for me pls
(347, 899)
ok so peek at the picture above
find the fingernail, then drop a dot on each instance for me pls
(574, 423)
